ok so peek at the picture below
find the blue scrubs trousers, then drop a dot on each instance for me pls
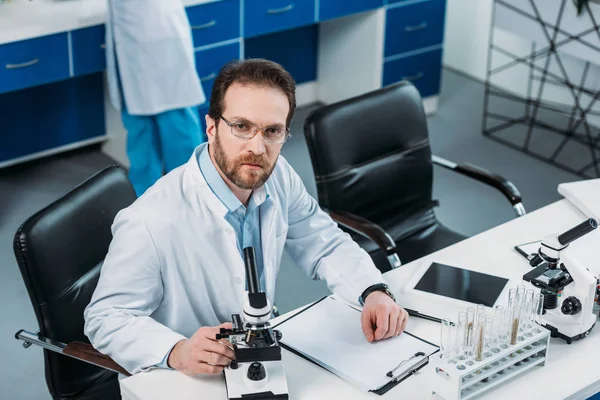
(156, 144)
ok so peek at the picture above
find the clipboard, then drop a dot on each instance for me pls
(528, 250)
(329, 334)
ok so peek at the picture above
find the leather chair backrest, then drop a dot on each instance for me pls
(60, 251)
(371, 155)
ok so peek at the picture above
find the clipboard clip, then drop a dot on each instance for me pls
(390, 374)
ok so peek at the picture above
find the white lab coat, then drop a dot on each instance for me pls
(173, 265)
(153, 44)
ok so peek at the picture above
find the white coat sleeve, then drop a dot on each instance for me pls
(324, 251)
(118, 319)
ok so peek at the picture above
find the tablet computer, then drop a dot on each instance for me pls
(461, 284)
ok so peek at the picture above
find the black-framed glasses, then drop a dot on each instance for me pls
(243, 129)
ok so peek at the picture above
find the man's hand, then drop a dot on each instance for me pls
(202, 354)
(381, 317)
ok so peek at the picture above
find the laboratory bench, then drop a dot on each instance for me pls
(52, 58)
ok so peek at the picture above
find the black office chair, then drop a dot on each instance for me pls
(374, 172)
(60, 251)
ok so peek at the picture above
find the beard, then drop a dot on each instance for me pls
(234, 171)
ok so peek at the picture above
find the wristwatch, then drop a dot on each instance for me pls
(379, 287)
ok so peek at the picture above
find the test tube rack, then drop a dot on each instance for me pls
(452, 383)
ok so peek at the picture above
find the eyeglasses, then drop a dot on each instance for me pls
(247, 130)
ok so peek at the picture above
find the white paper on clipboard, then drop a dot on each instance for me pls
(330, 334)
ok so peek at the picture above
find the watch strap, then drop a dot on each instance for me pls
(378, 287)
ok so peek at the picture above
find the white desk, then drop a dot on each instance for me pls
(570, 373)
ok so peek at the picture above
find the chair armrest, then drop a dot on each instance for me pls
(78, 350)
(506, 187)
(369, 230)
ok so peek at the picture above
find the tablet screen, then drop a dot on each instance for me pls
(461, 284)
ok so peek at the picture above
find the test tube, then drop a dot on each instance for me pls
(453, 345)
(521, 290)
(516, 320)
(512, 298)
(470, 326)
(470, 336)
(462, 336)
(481, 310)
(481, 313)
(480, 340)
(489, 336)
(529, 307)
(506, 328)
(538, 307)
(498, 324)
(445, 339)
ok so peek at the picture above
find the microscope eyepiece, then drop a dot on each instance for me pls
(580, 230)
(251, 271)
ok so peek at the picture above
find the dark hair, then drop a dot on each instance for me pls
(255, 71)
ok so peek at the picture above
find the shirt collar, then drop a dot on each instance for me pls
(220, 188)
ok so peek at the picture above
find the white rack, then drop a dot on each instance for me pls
(452, 383)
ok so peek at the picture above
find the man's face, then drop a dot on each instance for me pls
(247, 163)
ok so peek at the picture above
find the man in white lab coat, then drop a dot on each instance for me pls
(153, 82)
(174, 272)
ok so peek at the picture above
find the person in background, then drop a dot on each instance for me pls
(153, 82)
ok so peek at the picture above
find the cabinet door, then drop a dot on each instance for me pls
(34, 62)
(423, 70)
(414, 26)
(214, 22)
(329, 9)
(301, 63)
(45, 117)
(210, 61)
(89, 50)
(265, 16)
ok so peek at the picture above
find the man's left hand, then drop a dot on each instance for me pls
(382, 318)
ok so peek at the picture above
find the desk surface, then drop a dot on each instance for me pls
(22, 20)
(573, 365)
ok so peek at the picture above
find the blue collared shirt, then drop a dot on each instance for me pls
(245, 221)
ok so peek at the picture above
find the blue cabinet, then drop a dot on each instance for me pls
(89, 50)
(64, 112)
(329, 9)
(34, 74)
(214, 22)
(265, 16)
(414, 26)
(423, 70)
(301, 62)
(34, 62)
(210, 61)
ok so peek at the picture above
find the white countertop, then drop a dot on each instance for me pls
(24, 19)
(572, 367)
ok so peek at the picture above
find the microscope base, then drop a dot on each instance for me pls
(272, 387)
(569, 339)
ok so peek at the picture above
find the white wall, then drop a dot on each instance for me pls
(468, 25)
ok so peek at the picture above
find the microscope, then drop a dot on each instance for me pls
(257, 371)
(558, 271)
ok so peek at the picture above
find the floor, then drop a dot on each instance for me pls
(466, 206)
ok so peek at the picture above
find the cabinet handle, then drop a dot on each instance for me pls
(103, 46)
(287, 8)
(22, 65)
(208, 77)
(206, 25)
(413, 78)
(413, 28)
